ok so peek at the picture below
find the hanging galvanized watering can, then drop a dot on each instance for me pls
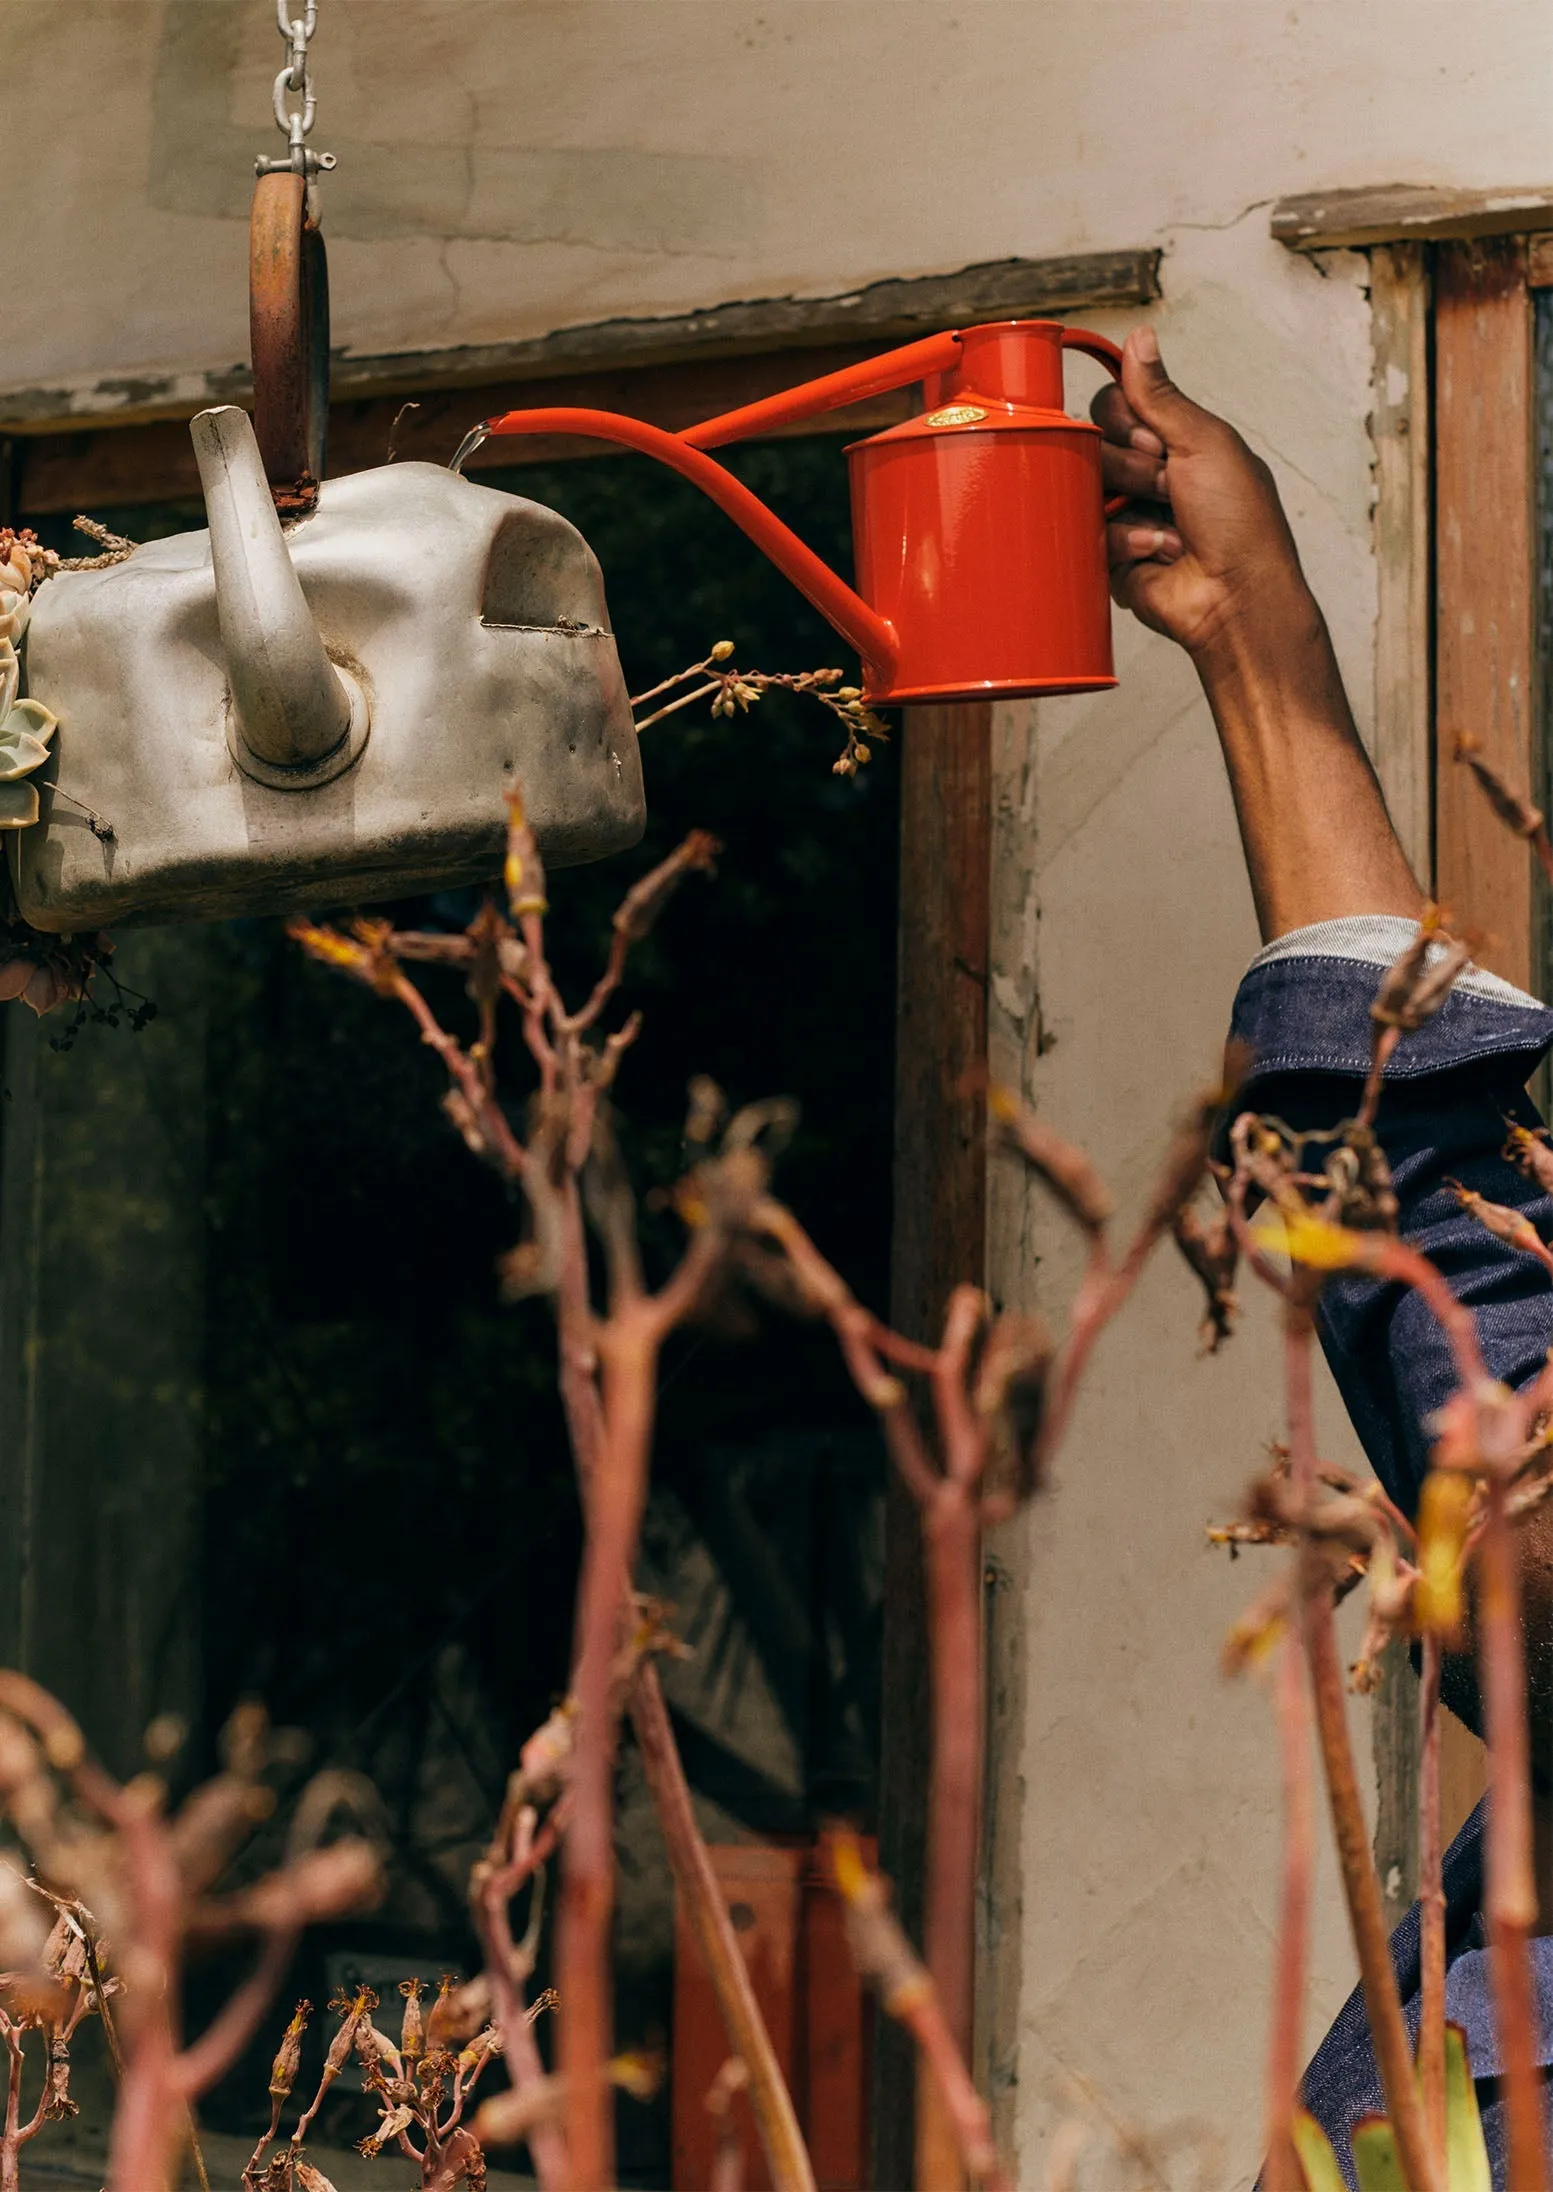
(258, 718)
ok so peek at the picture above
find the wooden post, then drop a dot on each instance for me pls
(939, 1240)
(1485, 653)
(1485, 614)
(1402, 748)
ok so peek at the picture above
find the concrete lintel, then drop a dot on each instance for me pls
(883, 312)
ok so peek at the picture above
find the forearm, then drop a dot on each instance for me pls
(1318, 840)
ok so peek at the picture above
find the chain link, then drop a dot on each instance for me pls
(295, 84)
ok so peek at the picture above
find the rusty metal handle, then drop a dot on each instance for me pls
(288, 329)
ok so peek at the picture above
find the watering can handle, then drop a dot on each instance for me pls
(831, 392)
(1109, 355)
(288, 326)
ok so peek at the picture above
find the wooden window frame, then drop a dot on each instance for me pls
(1461, 639)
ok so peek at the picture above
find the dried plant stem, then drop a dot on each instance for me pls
(629, 1344)
(776, 2121)
(1510, 1893)
(787, 2161)
(1386, 1041)
(951, 1528)
(672, 707)
(951, 1535)
(1431, 1906)
(1388, 2033)
(545, 2139)
(1393, 2052)
(951, 1532)
(884, 1956)
(16, 2133)
(615, 1502)
(963, 2105)
(950, 1505)
(1282, 2170)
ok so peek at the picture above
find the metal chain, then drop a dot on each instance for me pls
(295, 122)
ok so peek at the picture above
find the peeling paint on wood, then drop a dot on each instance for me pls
(1333, 220)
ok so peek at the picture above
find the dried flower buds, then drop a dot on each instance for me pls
(1529, 1150)
(412, 2036)
(1417, 984)
(1445, 1510)
(646, 899)
(1211, 1252)
(1065, 1168)
(1306, 1239)
(1186, 1160)
(1514, 810)
(523, 873)
(1510, 1226)
(366, 955)
(395, 2121)
(283, 2071)
(1010, 1389)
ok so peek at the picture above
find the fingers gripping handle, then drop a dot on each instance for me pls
(1109, 355)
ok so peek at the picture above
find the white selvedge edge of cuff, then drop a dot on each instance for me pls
(1377, 940)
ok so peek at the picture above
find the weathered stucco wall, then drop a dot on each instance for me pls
(506, 168)
(1134, 1821)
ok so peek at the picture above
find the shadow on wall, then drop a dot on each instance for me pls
(608, 197)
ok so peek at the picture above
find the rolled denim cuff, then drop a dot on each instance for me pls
(1304, 1007)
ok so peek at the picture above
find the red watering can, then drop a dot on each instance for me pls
(978, 527)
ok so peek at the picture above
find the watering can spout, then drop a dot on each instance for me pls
(290, 706)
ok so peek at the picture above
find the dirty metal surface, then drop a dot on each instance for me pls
(476, 625)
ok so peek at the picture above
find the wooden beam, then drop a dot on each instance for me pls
(1331, 220)
(939, 1240)
(1485, 654)
(1485, 586)
(873, 315)
(118, 467)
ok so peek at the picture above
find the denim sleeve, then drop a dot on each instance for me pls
(1451, 1090)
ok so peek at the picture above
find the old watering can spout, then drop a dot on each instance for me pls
(291, 708)
(978, 527)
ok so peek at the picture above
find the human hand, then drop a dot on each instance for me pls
(1203, 551)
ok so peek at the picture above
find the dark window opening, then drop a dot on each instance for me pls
(269, 1430)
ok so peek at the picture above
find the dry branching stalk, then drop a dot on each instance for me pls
(149, 1876)
(735, 692)
(50, 1981)
(570, 1174)
(1511, 807)
(1329, 1208)
(999, 1392)
(421, 2085)
(906, 1992)
(987, 1388)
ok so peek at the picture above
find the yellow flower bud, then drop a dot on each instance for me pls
(1444, 1513)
